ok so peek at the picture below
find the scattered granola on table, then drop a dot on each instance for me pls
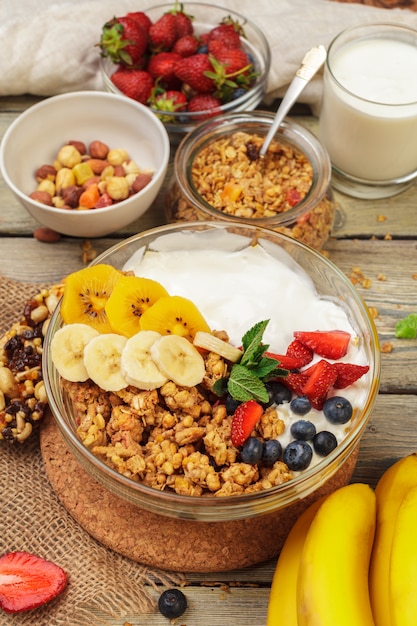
(22, 392)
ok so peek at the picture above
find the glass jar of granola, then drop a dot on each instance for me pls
(218, 175)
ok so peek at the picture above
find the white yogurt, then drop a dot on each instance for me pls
(368, 120)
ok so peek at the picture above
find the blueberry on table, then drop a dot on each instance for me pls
(277, 392)
(298, 455)
(272, 452)
(324, 442)
(300, 405)
(303, 429)
(172, 603)
(252, 451)
(337, 410)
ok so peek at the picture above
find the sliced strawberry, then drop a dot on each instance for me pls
(287, 362)
(244, 421)
(295, 381)
(301, 352)
(321, 378)
(348, 373)
(331, 344)
(28, 581)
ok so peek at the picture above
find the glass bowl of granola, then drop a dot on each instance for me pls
(236, 435)
(219, 175)
(236, 87)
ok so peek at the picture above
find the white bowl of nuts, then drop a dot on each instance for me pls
(85, 164)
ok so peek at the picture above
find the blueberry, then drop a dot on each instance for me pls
(231, 404)
(252, 451)
(324, 442)
(277, 392)
(272, 452)
(172, 603)
(300, 405)
(303, 429)
(298, 455)
(338, 410)
(238, 93)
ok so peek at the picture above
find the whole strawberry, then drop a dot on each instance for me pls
(186, 46)
(169, 102)
(204, 102)
(124, 41)
(183, 22)
(136, 84)
(141, 18)
(228, 34)
(161, 67)
(163, 33)
(193, 71)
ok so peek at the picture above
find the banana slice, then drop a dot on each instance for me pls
(138, 367)
(179, 360)
(102, 357)
(67, 350)
(214, 344)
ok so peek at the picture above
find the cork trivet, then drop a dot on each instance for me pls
(164, 542)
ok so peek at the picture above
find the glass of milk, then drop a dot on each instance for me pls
(368, 117)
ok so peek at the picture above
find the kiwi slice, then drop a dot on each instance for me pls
(86, 293)
(174, 315)
(130, 298)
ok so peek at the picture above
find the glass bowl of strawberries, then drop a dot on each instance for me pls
(227, 387)
(187, 62)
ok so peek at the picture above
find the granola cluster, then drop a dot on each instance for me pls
(22, 391)
(173, 438)
(227, 174)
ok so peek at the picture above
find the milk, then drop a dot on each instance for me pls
(368, 121)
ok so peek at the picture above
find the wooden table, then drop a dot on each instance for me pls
(373, 240)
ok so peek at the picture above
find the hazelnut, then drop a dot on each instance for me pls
(116, 157)
(45, 172)
(64, 178)
(71, 195)
(81, 147)
(69, 156)
(42, 196)
(47, 185)
(46, 235)
(98, 150)
(117, 188)
(119, 170)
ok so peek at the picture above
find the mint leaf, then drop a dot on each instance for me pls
(244, 385)
(407, 327)
(252, 343)
(220, 387)
(264, 367)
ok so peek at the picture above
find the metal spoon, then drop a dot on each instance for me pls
(310, 64)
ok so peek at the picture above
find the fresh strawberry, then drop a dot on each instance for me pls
(136, 84)
(332, 344)
(287, 362)
(163, 33)
(161, 67)
(28, 581)
(295, 381)
(183, 22)
(204, 102)
(321, 378)
(299, 351)
(192, 71)
(141, 18)
(234, 61)
(186, 46)
(124, 41)
(244, 420)
(171, 100)
(227, 34)
(348, 373)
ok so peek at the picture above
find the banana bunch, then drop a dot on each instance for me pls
(351, 557)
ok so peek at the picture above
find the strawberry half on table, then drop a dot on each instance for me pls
(28, 581)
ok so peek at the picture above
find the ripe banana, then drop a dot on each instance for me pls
(138, 367)
(282, 606)
(403, 568)
(215, 344)
(67, 350)
(332, 588)
(178, 360)
(102, 356)
(393, 485)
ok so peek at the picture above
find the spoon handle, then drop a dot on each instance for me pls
(310, 64)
